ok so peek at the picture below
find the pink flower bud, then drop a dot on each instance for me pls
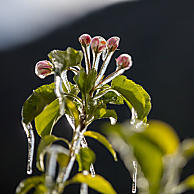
(85, 39)
(98, 44)
(43, 69)
(113, 43)
(124, 61)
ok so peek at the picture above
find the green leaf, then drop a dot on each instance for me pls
(35, 104)
(150, 159)
(101, 113)
(147, 153)
(85, 158)
(187, 148)
(85, 81)
(29, 183)
(97, 183)
(163, 135)
(67, 58)
(72, 110)
(44, 143)
(63, 159)
(102, 140)
(112, 98)
(189, 182)
(46, 120)
(134, 95)
(40, 189)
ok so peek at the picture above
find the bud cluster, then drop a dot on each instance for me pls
(98, 46)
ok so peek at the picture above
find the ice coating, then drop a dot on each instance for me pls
(59, 93)
(30, 136)
(96, 59)
(113, 43)
(43, 69)
(134, 177)
(84, 186)
(124, 61)
(104, 67)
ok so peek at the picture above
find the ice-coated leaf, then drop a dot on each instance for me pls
(150, 159)
(112, 98)
(97, 183)
(148, 155)
(29, 183)
(102, 140)
(85, 158)
(189, 182)
(133, 94)
(46, 120)
(187, 148)
(44, 143)
(101, 113)
(163, 135)
(85, 81)
(71, 109)
(67, 58)
(35, 104)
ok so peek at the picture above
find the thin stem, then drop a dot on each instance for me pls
(104, 67)
(87, 57)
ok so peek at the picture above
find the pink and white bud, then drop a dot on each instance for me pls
(85, 40)
(98, 44)
(113, 43)
(43, 69)
(124, 61)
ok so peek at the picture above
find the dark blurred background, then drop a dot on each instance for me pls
(159, 34)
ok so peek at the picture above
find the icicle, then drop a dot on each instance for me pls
(30, 136)
(134, 177)
(96, 59)
(84, 186)
(137, 124)
(104, 67)
(65, 80)
(59, 93)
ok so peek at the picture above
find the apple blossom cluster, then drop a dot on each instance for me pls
(99, 47)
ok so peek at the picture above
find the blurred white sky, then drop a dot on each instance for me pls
(24, 20)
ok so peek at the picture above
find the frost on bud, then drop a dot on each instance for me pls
(113, 43)
(43, 69)
(85, 40)
(98, 44)
(124, 61)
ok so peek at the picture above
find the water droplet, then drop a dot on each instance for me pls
(112, 120)
(30, 136)
(104, 67)
(134, 177)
